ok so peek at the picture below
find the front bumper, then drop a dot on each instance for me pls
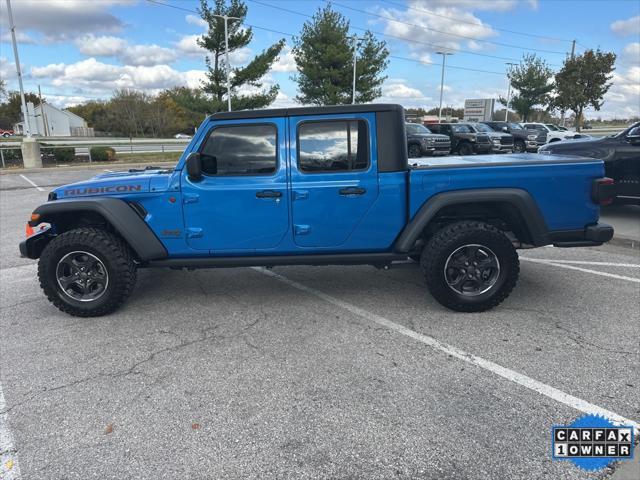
(482, 147)
(590, 236)
(532, 145)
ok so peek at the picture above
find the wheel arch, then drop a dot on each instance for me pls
(113, 214)
(515, 207)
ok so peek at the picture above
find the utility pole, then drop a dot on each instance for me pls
(355, 59)
(44, 115)
(506, 113)
(573, 54)
(444, 56)
(12, 27)
(226, 51)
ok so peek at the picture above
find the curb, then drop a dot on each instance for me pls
(86, 166)
(625, 242)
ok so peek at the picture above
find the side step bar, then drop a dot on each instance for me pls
(376, 259)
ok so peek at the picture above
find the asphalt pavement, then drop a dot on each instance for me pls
(310, 372)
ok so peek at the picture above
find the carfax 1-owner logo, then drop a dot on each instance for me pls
(592, 442)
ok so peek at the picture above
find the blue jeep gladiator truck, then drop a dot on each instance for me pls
(314, 186)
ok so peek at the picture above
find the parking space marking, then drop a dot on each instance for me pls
(586, 270)
(511, 375)
(9, 469)
(584, 262)
(40, 189)
(107, 170)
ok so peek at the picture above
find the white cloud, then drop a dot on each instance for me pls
(109, 46)
(623, 99)
(197, 21)
(21, 37)
(7, 69)
(93, 77)
(64, 19)
(632, 52)
(286, 62)
(189, 45)
(397, 91)
(630, 26)
(452, 16)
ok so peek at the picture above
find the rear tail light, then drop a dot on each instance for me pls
(603, 191)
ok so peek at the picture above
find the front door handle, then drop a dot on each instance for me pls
(268, 194)
(348, 191)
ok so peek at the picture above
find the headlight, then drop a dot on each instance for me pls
(495, 140)
(428, 141)
(532, 137)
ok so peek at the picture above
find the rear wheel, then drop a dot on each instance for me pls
(470, 266)
(415, 151)
(87, 272)
(465, 149)
(519, 146)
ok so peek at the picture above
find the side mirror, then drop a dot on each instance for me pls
(633, 139)
(505, 129)
(194, 166)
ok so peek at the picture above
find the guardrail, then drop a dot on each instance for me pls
(11, 153)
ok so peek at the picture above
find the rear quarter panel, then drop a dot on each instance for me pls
(562, 191)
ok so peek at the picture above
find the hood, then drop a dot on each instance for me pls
(587, 146)
(428, 135)
(130, 182)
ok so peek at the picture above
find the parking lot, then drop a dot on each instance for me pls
(311, 372)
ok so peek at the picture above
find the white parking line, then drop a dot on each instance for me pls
(586, 270)
(583, 262)
(40, 189)
(9, 469)
(519, 378)
(107, 170)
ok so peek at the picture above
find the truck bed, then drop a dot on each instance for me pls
(456, 161)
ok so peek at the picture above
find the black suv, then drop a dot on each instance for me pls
(621, 156)
(464, 140)
(524, 140)
(421, 142)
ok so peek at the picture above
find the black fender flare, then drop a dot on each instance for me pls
(119, 214)
(520, 199)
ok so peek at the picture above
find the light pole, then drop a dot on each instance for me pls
(506, 113)
(355, 59)
(444, 55)
(226, 52)
(12, 27)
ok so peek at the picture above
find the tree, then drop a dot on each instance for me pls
(532, 82)
(11, 108)
(3, 88)
(583, 81)
(247, 78)
(324, 59)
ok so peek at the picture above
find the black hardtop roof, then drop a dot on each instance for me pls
(299, 111)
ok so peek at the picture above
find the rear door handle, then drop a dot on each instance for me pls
(348, 191)
(268, 194)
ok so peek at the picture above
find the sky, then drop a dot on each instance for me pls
(78, 50)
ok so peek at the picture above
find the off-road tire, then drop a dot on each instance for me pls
(519, 146)
(465, 148)
(114, 254)
(446, 241)
(415, 151)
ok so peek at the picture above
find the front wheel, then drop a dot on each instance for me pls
(465, 149)
(519, 146)
(87, 272)
(470, 266)
(415, 151)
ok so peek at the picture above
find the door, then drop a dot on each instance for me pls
(334, 177)
(242, 201)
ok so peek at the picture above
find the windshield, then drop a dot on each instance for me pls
(416, 128)
(515, 126)
(552, 127)
(481, 127)
(461, 128)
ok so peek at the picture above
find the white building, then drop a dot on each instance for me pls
(48, 121)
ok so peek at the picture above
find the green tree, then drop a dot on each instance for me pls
(532, 83)
(3, 88)
(248, 77)
(11, 108)
(324, 59)
(583, 81)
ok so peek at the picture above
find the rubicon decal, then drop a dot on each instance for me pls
(95, 190)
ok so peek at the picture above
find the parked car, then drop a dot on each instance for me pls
(501, 142)
(464, 140)
(587, 126)
(182, 136)
(313, 186)
(621, 155)
(421, 141)
(553, 134)
(6, 133)
(524, 140)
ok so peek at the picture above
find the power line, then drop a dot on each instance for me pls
(429, 44)
(414, 60)
(475, 39)
(457, 20)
